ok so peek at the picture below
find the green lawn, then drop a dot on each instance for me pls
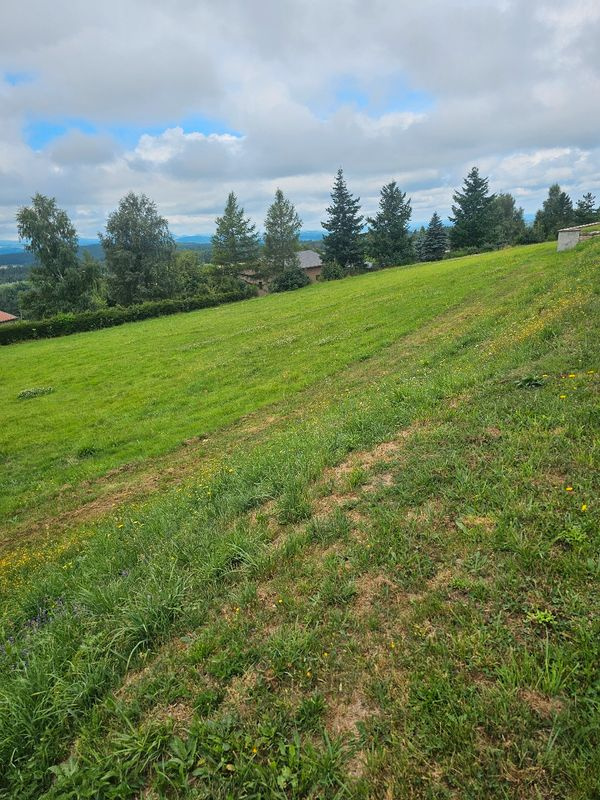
(389, 590)
(137, 391)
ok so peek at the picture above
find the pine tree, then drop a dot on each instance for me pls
(342, 244)
(282, 227)
(435, 241)
(472, 213)
(388, 238)
(235, 243)
(556, 213)
(416, 242)
(586, 210)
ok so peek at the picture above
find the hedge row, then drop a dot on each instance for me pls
(64, 324)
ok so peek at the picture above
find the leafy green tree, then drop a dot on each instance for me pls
(235, 243)
(472, 213)
(508, 220)
(342, 244)
(139, 251)
(435, 240)
(188, 277)
(59, 280)
(555, 213)
(586, 210)
(282, 229)
(389, 241)
(10, 296)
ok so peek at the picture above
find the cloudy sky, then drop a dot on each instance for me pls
(187, 100)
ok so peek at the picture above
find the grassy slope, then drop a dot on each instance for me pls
(131, 393)
(326, 616)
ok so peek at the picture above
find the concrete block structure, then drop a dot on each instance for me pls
(568, 238)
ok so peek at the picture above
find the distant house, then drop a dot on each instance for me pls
(569, 237)
(6, 317)
(250, 276)
(310, 262)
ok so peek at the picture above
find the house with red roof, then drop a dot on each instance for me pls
(6, 317)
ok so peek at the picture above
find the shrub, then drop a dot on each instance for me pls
(333, 271)
(64, 324)
(292, 278)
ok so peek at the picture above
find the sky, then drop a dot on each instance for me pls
(187, 100)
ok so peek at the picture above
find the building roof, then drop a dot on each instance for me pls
(580, 227)
(6, 317)
(309, 259)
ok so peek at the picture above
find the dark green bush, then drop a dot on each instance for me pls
(64, 324)
(332, 272)
(293, 278)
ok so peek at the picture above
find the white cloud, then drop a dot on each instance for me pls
(435, 87)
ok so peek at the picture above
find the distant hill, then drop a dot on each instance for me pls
(14, 253)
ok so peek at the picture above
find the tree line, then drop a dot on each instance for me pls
(142, 262)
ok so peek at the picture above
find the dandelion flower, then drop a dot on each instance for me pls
(569, 489)
(584, 507)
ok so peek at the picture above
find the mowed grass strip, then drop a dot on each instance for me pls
(329, 616)
(125, 396)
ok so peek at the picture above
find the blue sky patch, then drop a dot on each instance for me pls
(387, 96)
(39, 133)
(18, 78)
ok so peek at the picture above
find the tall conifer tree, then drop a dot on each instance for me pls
(389, 240)
(586, 210)
(556, 213)
(235, 243)
(435, 241)
(282, 228)
(342, 244)
(472, 213)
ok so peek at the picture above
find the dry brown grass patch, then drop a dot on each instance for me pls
(474, 521)
(238, 690)
(179, 713)
(344, 714)
(543, 705)
(368, 587)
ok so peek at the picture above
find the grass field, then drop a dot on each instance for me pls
(125, 395)
(374, 578)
